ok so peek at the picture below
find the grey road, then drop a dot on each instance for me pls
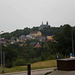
(33, 72)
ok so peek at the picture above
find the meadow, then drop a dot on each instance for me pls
(37, 65)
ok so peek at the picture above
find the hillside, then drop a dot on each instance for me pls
(45, 32)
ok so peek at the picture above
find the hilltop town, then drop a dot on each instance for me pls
(33, 35)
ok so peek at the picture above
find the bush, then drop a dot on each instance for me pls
(34, 60)
(52, 57)
(19, 62)
(60, 55)
(9, 65)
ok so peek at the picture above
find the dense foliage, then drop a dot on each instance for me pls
(61, 45)
(45, 32)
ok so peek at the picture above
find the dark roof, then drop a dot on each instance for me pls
(68, 59)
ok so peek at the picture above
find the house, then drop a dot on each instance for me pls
(44, 25)
(29, 37)
(13, 40)
(50, 38)
(3, 41)
(37, 45)
(17, 40)
(36, 33)
(21, 45)
(22, 38)
(41, 38)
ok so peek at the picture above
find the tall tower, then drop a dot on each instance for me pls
(47, 23)
(42, 23)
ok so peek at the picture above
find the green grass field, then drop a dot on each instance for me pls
(37, 65)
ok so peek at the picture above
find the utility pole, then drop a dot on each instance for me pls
(72, 43)
(3, 61)
(1, 52)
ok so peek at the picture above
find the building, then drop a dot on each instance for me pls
(41, 38)
(21, 45)
(44, 25)
(36, 33)
(13, 40)
(37, 45)
(3, 41)
(22, 38)
(49, 38)
(29, 37)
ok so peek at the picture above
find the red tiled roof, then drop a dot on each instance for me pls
(38, 45)
(21, 44)
(3, 42)
(34, 32)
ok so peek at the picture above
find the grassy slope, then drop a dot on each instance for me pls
(37, 65)
(44, 64)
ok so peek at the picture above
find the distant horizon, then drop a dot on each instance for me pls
(32, 27)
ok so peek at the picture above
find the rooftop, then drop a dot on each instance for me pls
(68, 59)
(58, 72)
(34, 32)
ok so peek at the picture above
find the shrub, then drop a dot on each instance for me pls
(19, 62)
(9, 65)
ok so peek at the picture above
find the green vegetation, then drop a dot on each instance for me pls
(21, 55)
(19, 32)
(43, 64)
(45, 32)
(64, 40)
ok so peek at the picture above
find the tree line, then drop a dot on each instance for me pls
(48, 31)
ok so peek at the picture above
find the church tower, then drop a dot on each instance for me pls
(47, 23)
(42, 23)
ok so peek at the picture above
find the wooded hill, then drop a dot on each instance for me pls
(62, 46)
(48, 31)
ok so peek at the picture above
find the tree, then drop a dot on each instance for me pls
(63, 40)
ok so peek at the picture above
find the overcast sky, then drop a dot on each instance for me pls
(18, 14)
